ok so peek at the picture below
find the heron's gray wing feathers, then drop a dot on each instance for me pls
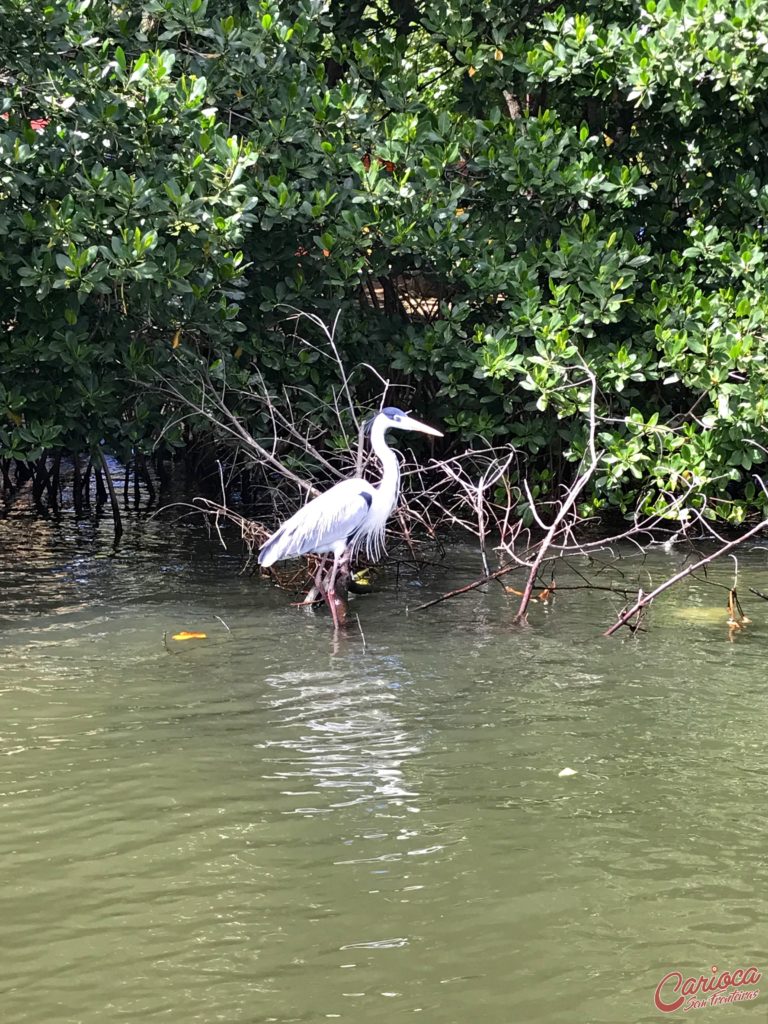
(328, 519)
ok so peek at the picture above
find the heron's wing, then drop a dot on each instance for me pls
(326, 520)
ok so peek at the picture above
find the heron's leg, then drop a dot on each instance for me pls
(330, 591)
(338, 588)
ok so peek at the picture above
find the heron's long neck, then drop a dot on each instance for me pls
(390, 479)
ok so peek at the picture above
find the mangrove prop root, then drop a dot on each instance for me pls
(86, 491)
(77, 496)
(118, 522)
(40, 482)
(101, 491)
(146, 476)
(54, 483)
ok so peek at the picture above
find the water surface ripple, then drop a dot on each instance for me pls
(273, 826)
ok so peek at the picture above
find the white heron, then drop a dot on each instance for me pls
(351, 515)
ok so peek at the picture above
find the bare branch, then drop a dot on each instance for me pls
(647, 598)
(565, 507)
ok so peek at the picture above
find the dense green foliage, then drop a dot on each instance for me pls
(586, 184)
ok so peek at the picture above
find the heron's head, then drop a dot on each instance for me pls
(396, 418)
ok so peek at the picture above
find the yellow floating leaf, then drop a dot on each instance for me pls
(15, 418)
(472, 71)
(498, 54)
(238, 351)
(543, 596)
(361, 580)
(459, 211)
(176, 339)
(184, 635)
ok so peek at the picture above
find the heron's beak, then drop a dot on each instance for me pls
(409, 423)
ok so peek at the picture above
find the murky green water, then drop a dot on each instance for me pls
(268, 826)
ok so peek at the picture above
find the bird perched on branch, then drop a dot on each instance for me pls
(350, 516)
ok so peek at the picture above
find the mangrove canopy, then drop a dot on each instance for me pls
(493, 195)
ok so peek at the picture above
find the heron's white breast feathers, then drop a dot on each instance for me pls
(371, 535)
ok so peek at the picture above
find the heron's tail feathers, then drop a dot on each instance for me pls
(272, 551)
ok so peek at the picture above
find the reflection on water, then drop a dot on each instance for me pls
(268, 826)
(323, 750)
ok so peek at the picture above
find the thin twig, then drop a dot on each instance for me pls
(469, 586)
(360, 627)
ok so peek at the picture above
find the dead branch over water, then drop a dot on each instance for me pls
(561, 537)
(645, 600)
(565, 507)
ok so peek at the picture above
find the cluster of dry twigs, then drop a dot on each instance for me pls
(478, 492)
(299, 456)
(560, 534)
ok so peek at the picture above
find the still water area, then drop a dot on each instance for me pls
(270, 825)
